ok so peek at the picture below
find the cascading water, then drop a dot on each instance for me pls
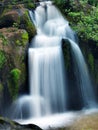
(47, 75)
(82, 76)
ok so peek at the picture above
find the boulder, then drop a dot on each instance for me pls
(13, 44)
(6, 124)
(9, 18)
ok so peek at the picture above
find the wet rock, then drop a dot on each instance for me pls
(6, 124)
(9, 18)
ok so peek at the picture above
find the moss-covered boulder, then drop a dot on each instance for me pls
(16, 30)
(9, 18)
(27, 24)
(13, 44)
(17, 16)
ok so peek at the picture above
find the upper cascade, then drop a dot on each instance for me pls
(50, 23)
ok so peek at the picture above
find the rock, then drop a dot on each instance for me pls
(6, 124)
(9, 18)
(18, 17)
(90, 50)
(13, 44)
(16, 30)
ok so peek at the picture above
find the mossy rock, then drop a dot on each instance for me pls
(12, 56)
(9, 18)
(14, 82)
(28, 25)
(22, 40)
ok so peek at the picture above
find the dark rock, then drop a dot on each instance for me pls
(90, 52)
(6, 124)
(9, 18)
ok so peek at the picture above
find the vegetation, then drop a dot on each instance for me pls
(23, 39)
(82, 16)
(4, 39)
(28, 25)
(14, 79)
(85, 24)
(27, 3)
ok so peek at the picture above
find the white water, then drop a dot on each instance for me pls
(58, 120)
(47, 75)
(48, 82)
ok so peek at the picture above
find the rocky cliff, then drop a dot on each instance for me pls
(16, 30)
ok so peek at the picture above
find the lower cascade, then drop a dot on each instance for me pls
(48, 79)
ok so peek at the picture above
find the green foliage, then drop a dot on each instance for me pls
(93, 2)
(22, 41)
(82, 16)
(14, 82)
(15, 73)
(63, 5)
(85, 24)
(25, 36)
(18, 43)
(4, 39)
(59, 2)
(30, 5)
(15, 25)
(2, 59)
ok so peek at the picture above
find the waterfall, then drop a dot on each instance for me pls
(48, 81)
(47, 73)
(82, 75)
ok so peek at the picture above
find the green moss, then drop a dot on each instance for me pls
(13, 83)
(2, 59)
(91, 61)
(30, 5)
(25, 35)
(18, 42)
(85, 23)
(15, 73)
(23, 39)
(28, 25)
